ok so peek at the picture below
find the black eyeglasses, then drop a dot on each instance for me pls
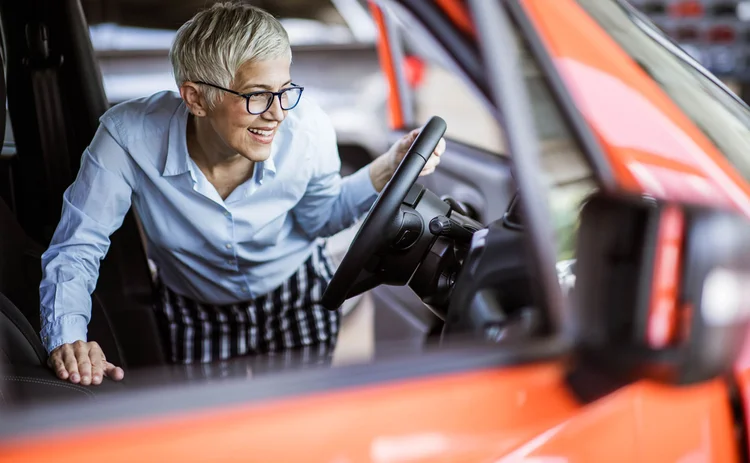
(259, 102)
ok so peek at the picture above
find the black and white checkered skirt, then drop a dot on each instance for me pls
(289, 317)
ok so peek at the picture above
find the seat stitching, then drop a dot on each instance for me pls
(49, 383)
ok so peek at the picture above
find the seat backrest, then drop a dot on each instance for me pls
(19, 343)
(17, 252)
(20, 267)
(20, 275)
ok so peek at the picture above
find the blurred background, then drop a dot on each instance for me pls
(714, 32)
(132, 39)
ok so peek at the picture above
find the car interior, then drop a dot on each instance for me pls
(467, 265)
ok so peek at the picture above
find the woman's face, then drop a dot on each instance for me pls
(238, 131)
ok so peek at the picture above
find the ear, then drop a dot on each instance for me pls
(194, 99)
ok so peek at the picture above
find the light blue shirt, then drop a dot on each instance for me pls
(208, 249)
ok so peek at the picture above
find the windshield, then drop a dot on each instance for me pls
(718, 113)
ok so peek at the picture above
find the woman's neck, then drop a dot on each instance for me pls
(207, 151)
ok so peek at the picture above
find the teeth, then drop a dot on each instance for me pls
(262, 133)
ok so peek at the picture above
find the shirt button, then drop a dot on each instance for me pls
(229, 246)
(227, 214)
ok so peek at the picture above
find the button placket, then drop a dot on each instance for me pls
(229, 246)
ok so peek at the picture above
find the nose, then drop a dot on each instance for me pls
(275, 113)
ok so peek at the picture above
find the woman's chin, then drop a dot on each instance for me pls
(256, 155)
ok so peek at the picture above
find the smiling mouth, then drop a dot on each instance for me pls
(262, 136)
(262, 133)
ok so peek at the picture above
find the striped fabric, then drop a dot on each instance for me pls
(289, 317)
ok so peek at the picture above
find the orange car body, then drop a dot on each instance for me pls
(505, 415)
(510, 414)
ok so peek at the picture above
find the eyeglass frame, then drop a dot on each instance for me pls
(247, 96)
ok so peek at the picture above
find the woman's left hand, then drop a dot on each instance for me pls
(383, 168)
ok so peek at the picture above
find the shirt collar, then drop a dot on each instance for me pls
(177, 150)
(267, 168)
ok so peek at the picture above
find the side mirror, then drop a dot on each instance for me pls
(512, 217)
(662, 290)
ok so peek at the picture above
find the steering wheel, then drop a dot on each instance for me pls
(371, 237)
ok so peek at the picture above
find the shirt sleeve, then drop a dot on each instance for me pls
(94, 206)
(331, 203)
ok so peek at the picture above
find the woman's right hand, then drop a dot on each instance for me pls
(82, 363)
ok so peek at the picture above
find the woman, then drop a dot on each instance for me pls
(235, 179)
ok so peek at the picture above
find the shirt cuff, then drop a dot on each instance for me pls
(66, 330)
(363, 191)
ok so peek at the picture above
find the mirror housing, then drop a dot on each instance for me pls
(662, 290)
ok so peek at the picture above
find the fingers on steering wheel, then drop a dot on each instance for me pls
(409, 139)
(427, 171)
(440, 148)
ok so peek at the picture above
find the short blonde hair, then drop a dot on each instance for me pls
(213, 45)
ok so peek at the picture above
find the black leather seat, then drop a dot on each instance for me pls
(55, 110)
(20, 275)
(19, 278)
(20, 267)
(19, 344)
(24, 376)
(22, 386)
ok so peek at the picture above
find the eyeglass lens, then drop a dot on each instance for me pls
(260, 102)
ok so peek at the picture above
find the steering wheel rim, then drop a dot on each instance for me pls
(370, 236)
